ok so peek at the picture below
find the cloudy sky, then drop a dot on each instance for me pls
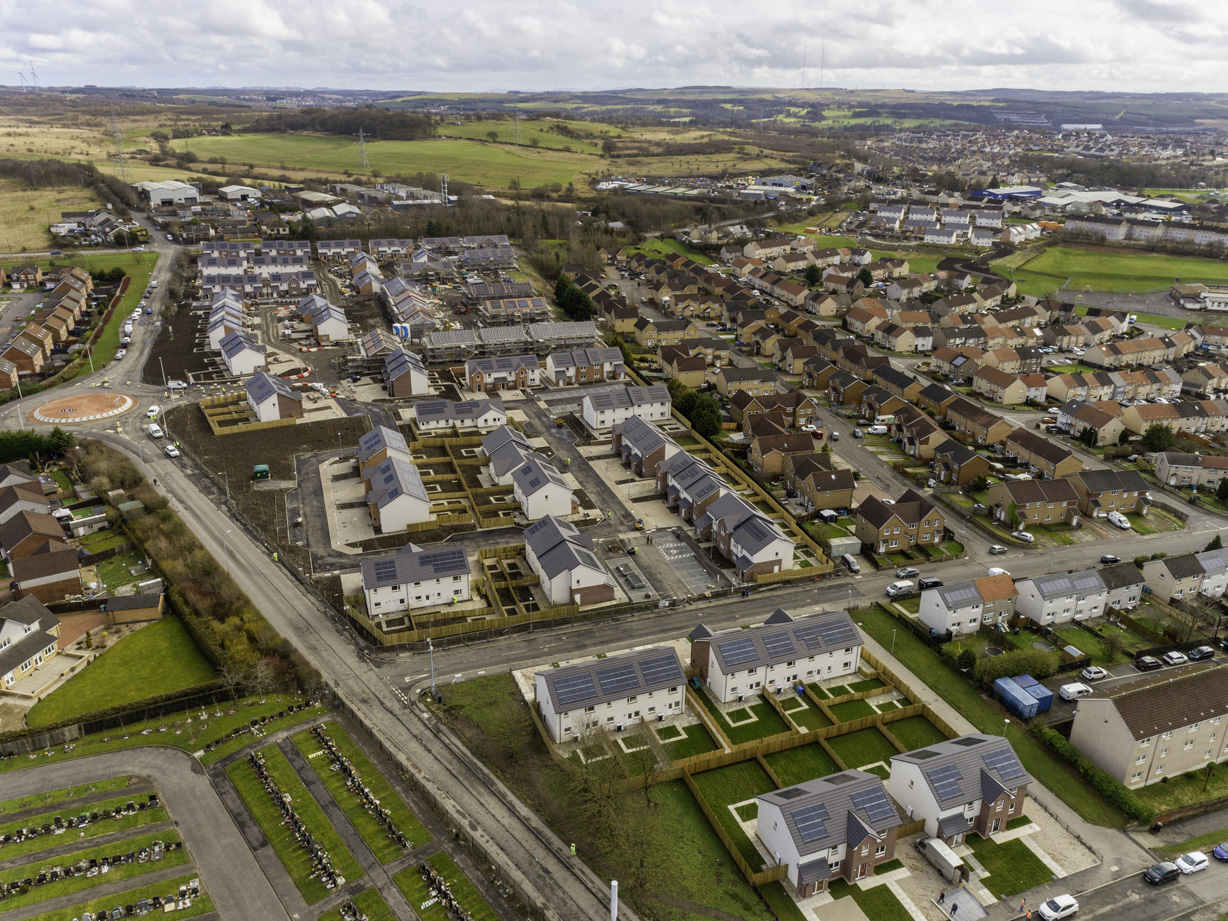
(494, 45)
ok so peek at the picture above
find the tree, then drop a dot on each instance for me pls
(1088, 436)
(1113, 644)
(706, 419)
(814, 275)
(493, 135)
(1217, 543)
(1157, 437)
(1221, 491)
(865, 276)
(511, 729)
(966, 661)
(1124, 437)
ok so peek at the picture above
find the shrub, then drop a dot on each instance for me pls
(966, 660)
(1108, 787)
(1034, 662)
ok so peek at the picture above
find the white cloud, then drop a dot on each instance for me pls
(482, 45)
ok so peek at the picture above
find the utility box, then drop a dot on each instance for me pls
(260, 472)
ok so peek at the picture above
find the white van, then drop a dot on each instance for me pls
(997, 571)
(153, 412)
(850, 563)
(877, 430)
(898, 589)
(884, 420)
(155, 430)
(1074, 691)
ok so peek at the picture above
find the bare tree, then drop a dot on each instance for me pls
(593, 780)
(263, 678)
(233, 678)
(1113, 645)
(510, 730)
(640, 843)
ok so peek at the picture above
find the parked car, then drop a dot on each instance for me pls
(1202, 652)
(1174, 657)
(857, 433)
(996, 550)
(1163, 872)
(1110, 558)
(1220, 851)
(1192, 862)
(906, 572)
(929, 582)
(901, 588)
(1023, 536)
(1093, 673)
(120, 354)
(1062, 906)
(835, 436)
(172, 451)
(1147, 663)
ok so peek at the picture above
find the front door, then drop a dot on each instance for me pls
(995, 826)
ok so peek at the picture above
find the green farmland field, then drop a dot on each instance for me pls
(467, 161)
(1123, 272)
(536, 130)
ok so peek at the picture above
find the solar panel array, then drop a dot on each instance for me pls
(967, 741)
(811, 823)
(837, 779)
(945, 781)
(575, 688)
(832, 633)
(739, 651)
(661, 669)
(963, 593)
(385, 569)
(923, 754)
(874, 803)
(778, 644)
(1005, 763)
(617, 678)
(790, 793)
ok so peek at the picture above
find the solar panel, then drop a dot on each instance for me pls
(837, 779)
(575, 688)
(945, 781)
(790, 792)
(967, 741)
(810, 822)
(923, 754)
(1005, 763)
(617, 678)
(739, 651)
(874, 803)
(778, 645)
(660, 669)
(962, 594)
(385, 569)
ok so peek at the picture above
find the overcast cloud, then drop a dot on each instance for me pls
(495, 45)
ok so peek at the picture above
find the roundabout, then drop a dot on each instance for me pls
(83, 407)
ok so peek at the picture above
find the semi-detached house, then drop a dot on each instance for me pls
(414, 578)
(1060, 597)
(963, 607)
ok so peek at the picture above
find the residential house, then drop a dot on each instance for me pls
(563, 560)
(999, 386)
(395, 494)
(26, 356)
(1042, 456)
(911, 522)
(840, 826)
(679, 364)
(652, 334)
(935, 398)
(1196, 470)
(768, 452)
(817, 483)
(1166, 729)
(502, 372)
(541, 490)
(1174, 577)
(1103, 491)
(642, 446)
(957, 464)
(405, 374)
(898, 383)
(1077, 416)
(22, 497)
(28, 533)
(961, 608)
(272, 399)
(605, 409)
(49, 577)
(920, 436)
(745, 536)
(756, 381)
(413, 578)
(975, 421)
(29, 636)
(610, 693)
(585, 366)
(777, 655)
(1206, 380)
(506, 449)
(242, 354)
(799, 408)
(971, 784)
(1060, 597)
(446, 415)
(1124, 582)
(1021, 503)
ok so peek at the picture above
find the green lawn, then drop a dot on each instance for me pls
(370, 903)
(1185, 790)
(384, 849)
(462, 889)
(880, 904)
(767, 724)
(93, 830)
(200, 906)
(156, 659)
(117, 571)
(139, 267)
(734, 784)
(77, 884)
(851, 710)
(1011, 865)
(695, 741)
(418, 893)
(1018, 822)
(811, 717)
(295, 859)
(987, 716)
(1124, 271)
(463, 160)
(867, 684)
(1199, 843)
(915, 732)
(62, 795)
(863, 747)
(535, 130)
(797, 765)
(668, 246)
(781, 902)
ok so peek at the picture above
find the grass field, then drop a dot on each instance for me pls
(139, 267)
(370, 903)
(494, 165)
(987, 716)
(470, 899)
(295, 859)
(77, 884)
(797, 765)
(26, 213)
(915, 732)
(1202, 843)
(1126, 271)
(863, 747)
(539, 130)
(851, 710)
(810, 717)
(668, 246)
(200, 906)
(767, 722)
(372, 832)
(157, 659)
(1012, 866)
(62, 795)
(734, 784)
(93, 830)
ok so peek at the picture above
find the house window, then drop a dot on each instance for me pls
(1188, 745)
(1140, 759)
(835, 865)
(1136, 777)
(1159, 770)
(1167, 735)
(880, 851)
(1163, 752)
(589, 709)
(1193, 727)
(1011, 808)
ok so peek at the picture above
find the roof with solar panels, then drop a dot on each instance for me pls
(843, 808)
(612, 678)
(782, 638)
(972, 767)
(412, 564)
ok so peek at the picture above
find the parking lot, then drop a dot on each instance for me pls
(698, 576)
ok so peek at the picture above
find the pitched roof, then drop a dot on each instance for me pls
(534, 475)
(623, 397)
(954, 770)
(1121, 575)
(378, 439)
(1041, 447)
(133, 602)
(1024, 492)
(1183, 566)
(40, 565)
(25, 523)
(559, 546)
(843, 808)
(1068, 584)
(770, 643)
(1108, 480)
(1174, 702)
(598, 681)
(412, 564)
(263, 386)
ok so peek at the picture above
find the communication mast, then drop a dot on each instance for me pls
(119, 146)
(443, 188)
(362, 149)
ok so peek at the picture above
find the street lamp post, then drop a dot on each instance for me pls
(226, 547)
(226, 474)
(893, 641)
(163, 367)
(1005, 725)
(338, 441)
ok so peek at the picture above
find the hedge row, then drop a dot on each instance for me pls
(1106, 785)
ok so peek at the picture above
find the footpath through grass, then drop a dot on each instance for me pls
(267, 815)
(202, 905)
(987, 716)
(93, 830)
(384, 848)
(159, 658)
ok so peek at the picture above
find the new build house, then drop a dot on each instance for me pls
(414, 578)
(563, 560)
(1060, 597)
(962, 607)
(612, 693)
(605, 409)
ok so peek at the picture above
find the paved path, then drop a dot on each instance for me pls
(229, 871)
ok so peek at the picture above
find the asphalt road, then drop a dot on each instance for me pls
(229, 869)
